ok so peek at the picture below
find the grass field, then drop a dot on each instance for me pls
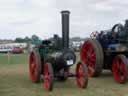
(13, 59)
(14, 81)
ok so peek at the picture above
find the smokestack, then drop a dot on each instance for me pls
(126, 29)
(126, 23)
(65, 29)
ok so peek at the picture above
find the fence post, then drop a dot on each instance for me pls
(8, 57)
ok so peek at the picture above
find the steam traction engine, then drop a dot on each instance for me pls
(52, 60)
(107, 50)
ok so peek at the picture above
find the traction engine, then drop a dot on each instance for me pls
(52, 60)
(107, 49)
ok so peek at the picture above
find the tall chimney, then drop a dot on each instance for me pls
(126, 29)
(65, 29)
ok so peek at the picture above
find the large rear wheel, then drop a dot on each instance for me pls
(91, 53)
(35, 66)
(120, 68)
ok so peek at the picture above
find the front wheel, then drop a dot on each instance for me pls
(48, 76)
(81, 75)
(120, 68)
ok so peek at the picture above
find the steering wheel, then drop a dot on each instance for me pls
(117, 28)
(94, 34)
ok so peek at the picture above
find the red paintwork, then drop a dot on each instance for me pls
(32, 67)
(81, 76)
(118, 69)
(88, 56)
(46, 77)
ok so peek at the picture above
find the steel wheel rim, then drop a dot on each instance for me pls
(118, 69)
(88, 56)
(32, 66)
(81, 76)
(46, 77)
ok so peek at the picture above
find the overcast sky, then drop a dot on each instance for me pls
(20, 18)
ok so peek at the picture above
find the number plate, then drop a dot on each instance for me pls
(69, 62)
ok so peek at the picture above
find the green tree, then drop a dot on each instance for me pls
(35, 40)
(27, 39)
(19, 40)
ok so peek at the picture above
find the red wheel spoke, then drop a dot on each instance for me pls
(93, 57)
(84, 50)
(92, 65)
(82, 80)
(48, 76)
(118, 68)
(88, 53)
(115, 68)
(81, 77)
(89, 57)
(122, 68)
(47, 80)
(32, 66)
(81, 72)
(91, 69)
(118, 63)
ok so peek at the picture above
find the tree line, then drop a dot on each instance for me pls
(34, 39)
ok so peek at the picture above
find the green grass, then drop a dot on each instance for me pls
(14, 81)
(13, 58)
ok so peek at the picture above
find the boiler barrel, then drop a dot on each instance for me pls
(62, 60)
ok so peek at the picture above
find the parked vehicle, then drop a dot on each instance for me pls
(17, 50)
(107, 50)
(52, 60)
(5, 49)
